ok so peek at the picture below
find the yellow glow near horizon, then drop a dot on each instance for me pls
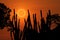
(21, 13)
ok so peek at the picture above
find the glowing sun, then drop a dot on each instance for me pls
(21, 13)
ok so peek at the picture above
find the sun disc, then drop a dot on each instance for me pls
(21, 13)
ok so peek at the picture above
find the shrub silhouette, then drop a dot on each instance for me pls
(4, 15)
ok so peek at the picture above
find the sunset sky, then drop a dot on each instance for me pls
(34, 6)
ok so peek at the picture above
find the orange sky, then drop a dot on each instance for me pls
(33, 5)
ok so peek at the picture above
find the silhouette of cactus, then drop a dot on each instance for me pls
(29, 21)
(35, 22)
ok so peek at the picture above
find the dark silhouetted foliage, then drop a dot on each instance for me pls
(29, 33)
(4, 15)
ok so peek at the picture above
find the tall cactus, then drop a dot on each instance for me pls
(29, 21)
(15, 27)
(35, 22)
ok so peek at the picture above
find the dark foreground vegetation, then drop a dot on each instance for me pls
(28, 33)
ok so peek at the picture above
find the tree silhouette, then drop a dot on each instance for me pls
(56, 19)
(4, 15)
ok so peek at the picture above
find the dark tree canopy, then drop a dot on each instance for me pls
(4, 15)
